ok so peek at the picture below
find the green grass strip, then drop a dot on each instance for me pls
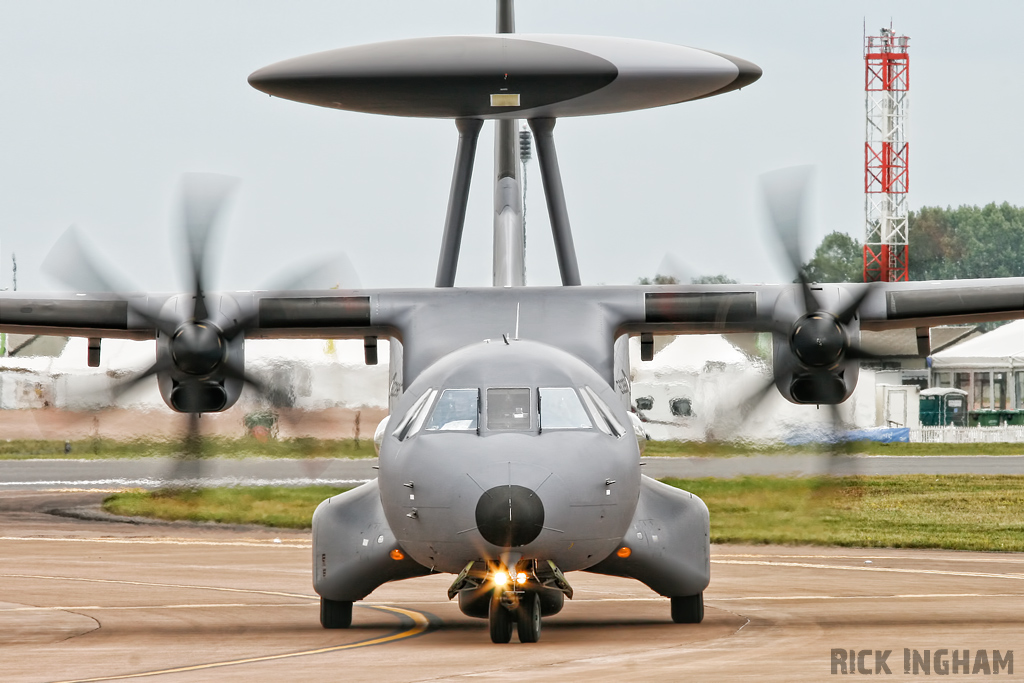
(960, 512)
(727, 449)
(212, 447)
(290, 508)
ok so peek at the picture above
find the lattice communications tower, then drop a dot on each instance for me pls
(886, 157)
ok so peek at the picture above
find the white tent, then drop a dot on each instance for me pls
(317, 374)
(1003, 347)
(990, 368)
(714, 378)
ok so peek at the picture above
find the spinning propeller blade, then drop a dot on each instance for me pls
(203, 199)
(818, 338)
(197, 343)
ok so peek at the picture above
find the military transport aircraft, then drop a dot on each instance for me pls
(509, 458)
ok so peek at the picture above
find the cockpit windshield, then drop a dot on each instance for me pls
(603, 415)
(508, 409)
(410, 424)
(456, 410)
(560, 408)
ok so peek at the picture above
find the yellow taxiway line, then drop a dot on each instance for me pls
(420, 624)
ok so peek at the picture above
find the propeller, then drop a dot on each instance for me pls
(816, 329)
(197, 340)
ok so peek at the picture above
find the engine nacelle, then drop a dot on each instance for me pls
(201, 382)
(810, 362)
(806, 386)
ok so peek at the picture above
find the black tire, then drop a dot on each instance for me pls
(551, 601)
(500, 620)
(688, 609)
(475, 602)
(335, 613)
(528, 618)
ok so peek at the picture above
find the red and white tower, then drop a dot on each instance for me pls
(886, 157)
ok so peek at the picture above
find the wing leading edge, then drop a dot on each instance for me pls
(672, 309)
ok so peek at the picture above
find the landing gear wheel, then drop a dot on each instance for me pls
(500, 620)
(688, 609)
(528, 618)
(335, 613)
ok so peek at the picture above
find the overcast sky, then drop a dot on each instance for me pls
(105, 104)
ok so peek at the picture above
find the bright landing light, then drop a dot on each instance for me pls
(501, 578)
(520, 578)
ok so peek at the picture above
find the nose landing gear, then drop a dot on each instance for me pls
(507, 598)
(500, 617)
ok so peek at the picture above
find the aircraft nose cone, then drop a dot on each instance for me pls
(509, 516)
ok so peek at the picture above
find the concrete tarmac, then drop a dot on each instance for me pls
(83, 600)
(154, 472)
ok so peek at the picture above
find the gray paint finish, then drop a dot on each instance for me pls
(554, 194)
(448, 77)
(554, 76)
(458, 198)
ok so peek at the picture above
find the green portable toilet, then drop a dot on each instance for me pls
(947, 407)
(930, 411)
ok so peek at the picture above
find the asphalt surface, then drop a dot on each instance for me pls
(155, 472)
(84, 600)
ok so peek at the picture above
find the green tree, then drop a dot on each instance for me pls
(839, 258)
(720, 279)
(659, 279)
(966, 242)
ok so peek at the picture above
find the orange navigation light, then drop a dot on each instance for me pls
(521, 578)
(397, 554)
(624, 552)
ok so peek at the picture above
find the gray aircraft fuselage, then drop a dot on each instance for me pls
(490, 488)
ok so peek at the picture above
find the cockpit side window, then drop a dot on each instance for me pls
(508, 409)
(413, 419)
(560, 408)
(456, 410)
(603, 415)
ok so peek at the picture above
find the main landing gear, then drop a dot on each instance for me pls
(688, 609)
(522, 608)
(335, 613)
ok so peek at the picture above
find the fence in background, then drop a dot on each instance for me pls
(1009, 433)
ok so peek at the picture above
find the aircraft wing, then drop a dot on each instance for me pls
(943, 302)
(698, 309)
(670, 309)
(815, 327)
(265, 315)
